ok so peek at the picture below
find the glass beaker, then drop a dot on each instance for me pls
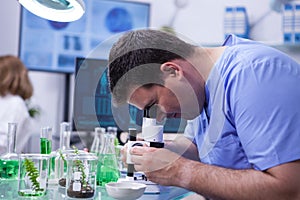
(81, 176)
(9, 162)
(9, 166)
(63, 155)
(33, 175)
(108, 169)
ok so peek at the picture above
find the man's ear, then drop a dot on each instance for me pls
(171, 69)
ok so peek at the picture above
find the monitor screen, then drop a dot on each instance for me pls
(53, 46)
(92, 102)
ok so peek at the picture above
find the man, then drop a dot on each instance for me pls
(242, 103)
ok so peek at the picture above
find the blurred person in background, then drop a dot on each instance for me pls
(15, 90)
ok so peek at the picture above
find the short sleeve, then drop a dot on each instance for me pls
(264, 99)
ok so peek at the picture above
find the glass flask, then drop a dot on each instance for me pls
(33, 175)
(81, 176)
(108, 170)
(112, 131)
(9, 166)
(98, 141)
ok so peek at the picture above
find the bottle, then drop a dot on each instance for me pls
(98, 141)
(9, 162)
(241, 24)
(297, 23)
(287, 23)
(228, 21)
(107, 169)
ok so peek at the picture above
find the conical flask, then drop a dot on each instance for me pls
(98, 141)
(112, 131)
(9, 162)
(108, 170)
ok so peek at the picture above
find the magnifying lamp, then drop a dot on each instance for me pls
(55, 10)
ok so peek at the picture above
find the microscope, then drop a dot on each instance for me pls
(152, 135)
(151, 132)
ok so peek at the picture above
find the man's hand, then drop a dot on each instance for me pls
(158, 164)
(168, 168)
(124, 152)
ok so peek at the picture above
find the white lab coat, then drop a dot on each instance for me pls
(14, 109)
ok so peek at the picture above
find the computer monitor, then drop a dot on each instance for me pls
(53, 46)
(92, 102)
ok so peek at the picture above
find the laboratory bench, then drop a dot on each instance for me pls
(9, 191)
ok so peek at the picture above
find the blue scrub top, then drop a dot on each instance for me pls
(252, 119)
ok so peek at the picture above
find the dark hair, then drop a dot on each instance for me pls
(135, 60)
(14, 77)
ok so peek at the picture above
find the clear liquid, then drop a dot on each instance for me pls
(107, 170)
(9, 169)
(8, 189)
(45, 145)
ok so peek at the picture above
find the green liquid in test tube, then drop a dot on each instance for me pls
(46, 140)
(46, 145)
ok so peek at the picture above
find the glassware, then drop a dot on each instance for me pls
(112, 131)
(33, 175)
(9, 166)
(81, 175)
(108, 170)
(46, 140)
(98, 141)
(65, 134)
(9, 162)
(57, 162)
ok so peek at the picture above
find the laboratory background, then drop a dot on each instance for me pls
(202, 22)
